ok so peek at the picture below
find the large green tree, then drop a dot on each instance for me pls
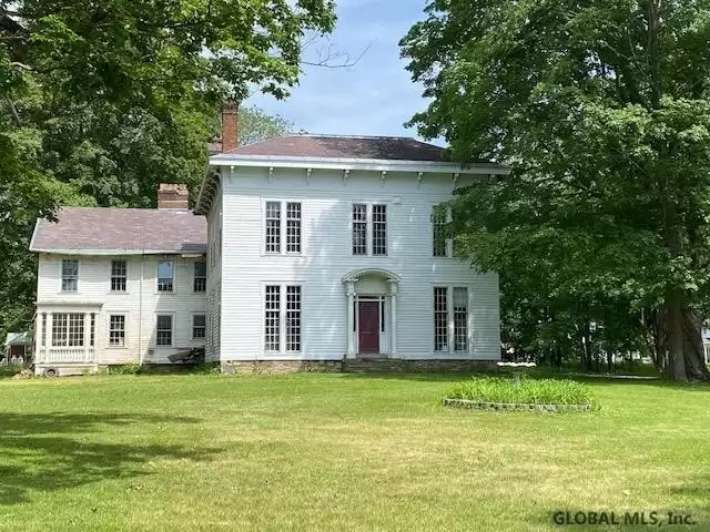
(601, 109)
(102, 100)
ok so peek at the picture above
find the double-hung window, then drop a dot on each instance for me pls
(282, 318)
(451, 317)
(200, 279)
(442, 244)
(199, 326)
(376, 217)
(166, 275)
(68, 329)
(70, 275)
(118, 275)
(282, 227)
(164, 330)
(117, 330)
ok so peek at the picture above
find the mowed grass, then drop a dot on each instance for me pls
(337, 452)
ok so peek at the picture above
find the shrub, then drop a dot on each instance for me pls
(126, 369)
(522, 391)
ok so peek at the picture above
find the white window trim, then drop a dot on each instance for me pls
(157, 277)
(172, 335)
(282, 228)
(61, 277)
(282, 318)
(194, 277)
(192, 326)
(110, 278)
(125, 329)
(450, 319)
(369, 241)
(449, 241)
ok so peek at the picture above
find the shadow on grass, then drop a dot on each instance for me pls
(49, 452)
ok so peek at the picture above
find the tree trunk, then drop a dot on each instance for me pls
(683, 349)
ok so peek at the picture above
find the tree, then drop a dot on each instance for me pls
(601, 110)
(255, 125)
(101, 100)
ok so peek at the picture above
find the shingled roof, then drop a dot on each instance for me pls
(343, 147)
(109, 231)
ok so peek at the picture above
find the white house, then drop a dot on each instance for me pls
(323, 249)
(314, 252)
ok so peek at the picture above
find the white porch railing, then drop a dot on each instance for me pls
(54, 355)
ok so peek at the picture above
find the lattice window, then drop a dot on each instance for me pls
(460, 302)
(199, 326)
(293, 318)
(164, 334)
(166, 276)
(441, 319)
(60, 330)
(200, 279)
(117, 331)
(70, 275)
(379, 229)
(272, 324)
(76, 330)
(293, 227)
(359, 229)
(273, 227)
(118, 275)
(440, 231)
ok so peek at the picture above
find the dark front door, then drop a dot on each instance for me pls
(368, 319)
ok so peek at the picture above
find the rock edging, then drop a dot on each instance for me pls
(524, 407)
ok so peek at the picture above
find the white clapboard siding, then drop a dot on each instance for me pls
(327, 198)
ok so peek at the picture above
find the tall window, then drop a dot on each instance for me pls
(166, 275)
(441, 319)
(379, 229)
(117, 331)
(68, 329)
(293, 227)
(439, 217)
(199, 326)
(70, 275)
(272, 324)
(164, 330)
(273, 227)
(293, 318)
(92, 330)
(359, 229)
(460, 300)
(44, 329)
(118, 275)
(200, 280)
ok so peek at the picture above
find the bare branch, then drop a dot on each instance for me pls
(330, 58)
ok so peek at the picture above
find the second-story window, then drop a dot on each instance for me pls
(440, 231)
(200, 281)
(70, 275)
(359, 229)
(293, 227)
(118, 276)
(282, 231)
(166, 275)
(273, 227)
(379, 229)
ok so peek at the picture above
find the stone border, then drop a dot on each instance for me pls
(518, 407)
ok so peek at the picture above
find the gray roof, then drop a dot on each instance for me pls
(96, 231)
(18, 338)
(343, 147)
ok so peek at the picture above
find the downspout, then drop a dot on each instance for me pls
(140, 301)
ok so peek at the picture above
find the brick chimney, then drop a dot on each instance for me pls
(173, 196)
(230, 126)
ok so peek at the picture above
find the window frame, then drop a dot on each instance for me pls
(203, 326)
(71, 330)
(451, 325)
(63, 277)
(124, 277)
(159, 315)
(157, 276)
(109, 328)
(370, 224)
(283, 233)
(283, 318)
(448, 240)
(196, 278)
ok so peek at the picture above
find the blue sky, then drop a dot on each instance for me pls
(374, 97)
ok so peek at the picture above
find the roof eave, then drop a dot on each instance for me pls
(115, 252)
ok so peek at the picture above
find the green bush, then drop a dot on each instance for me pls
(522, 391)
(126, 369)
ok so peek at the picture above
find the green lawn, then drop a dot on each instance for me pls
(330, 452)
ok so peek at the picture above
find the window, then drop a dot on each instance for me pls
(379, 229)
(200, 281)
(439, 219)
(70, 275)
(164, 334)
(460, 298)
(199, 326)
(272, 326)
(359, 229)
(166, 275)
(92, 331)
(441, 319)
(273, 227)
(117, 331)
(118, 276)
(293, 228)
(293, 318)
(68, 330)
(44, 329)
